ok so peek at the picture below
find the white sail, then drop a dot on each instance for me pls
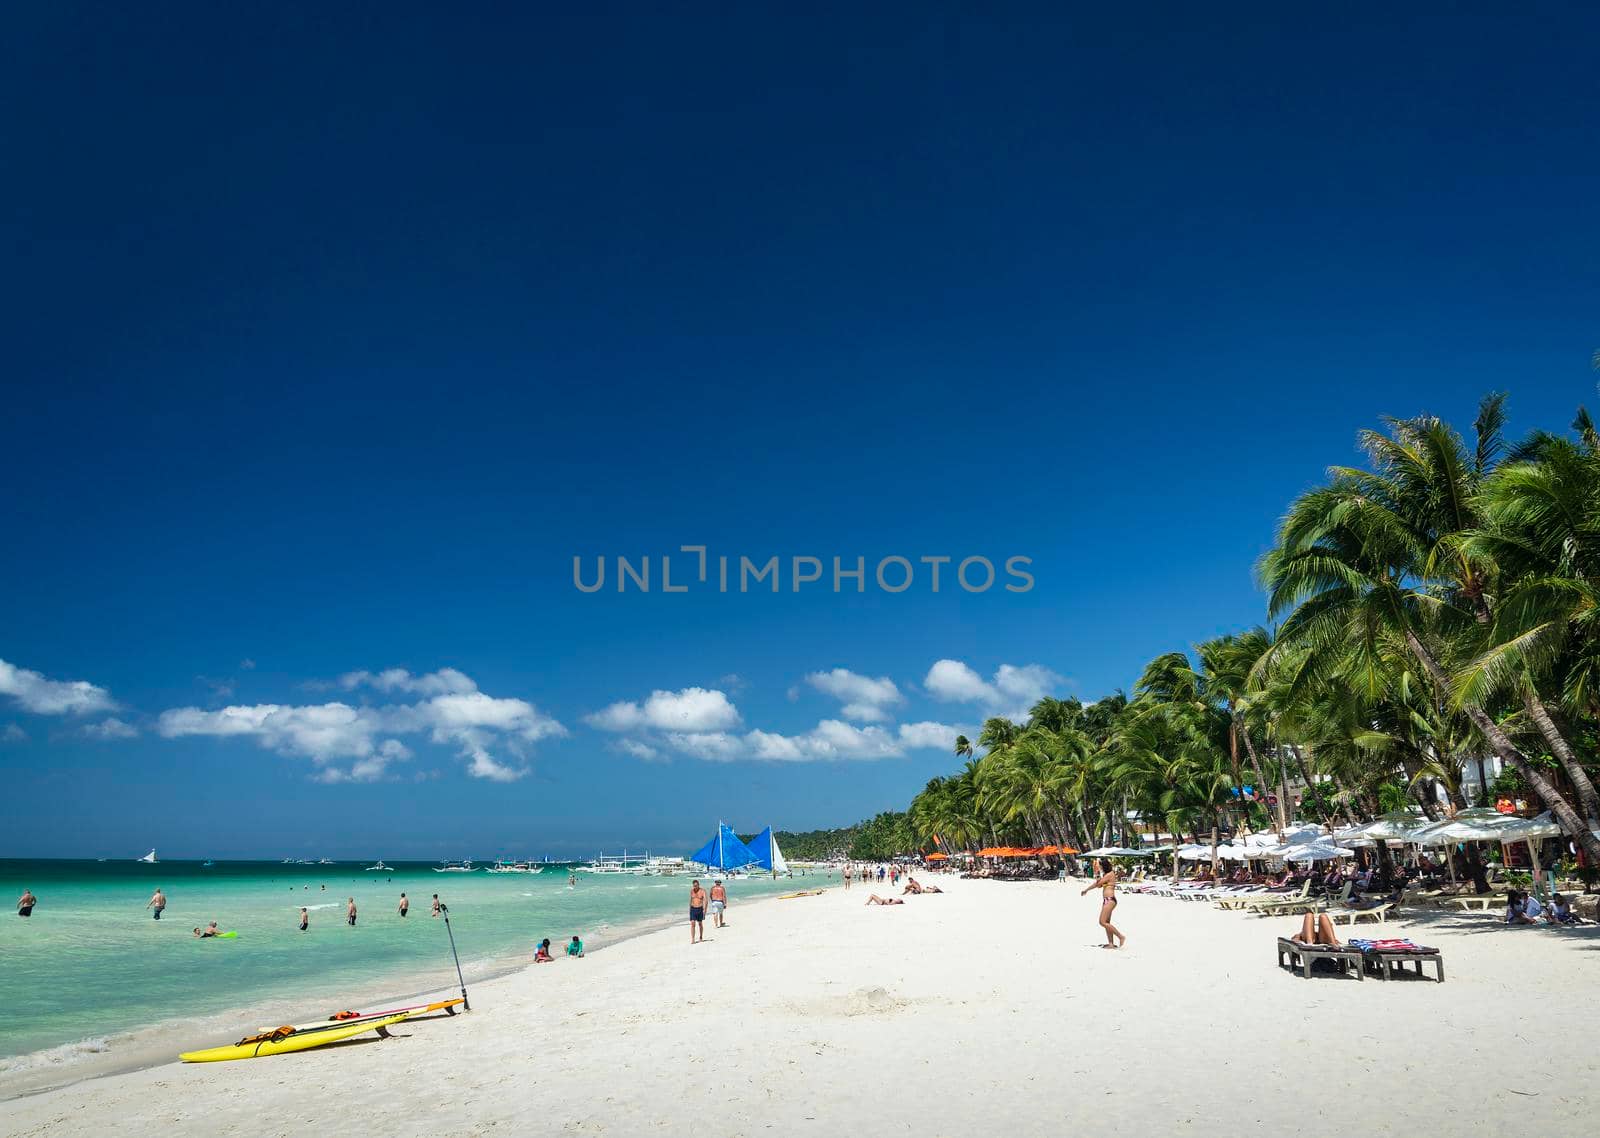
(778, 864)
(149, 857)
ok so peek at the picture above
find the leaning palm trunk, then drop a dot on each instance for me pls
(1588, 799)
(1261, 778)
(1508, 752)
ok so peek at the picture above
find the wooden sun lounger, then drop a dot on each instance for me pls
(1300, 956)
(1383, 962)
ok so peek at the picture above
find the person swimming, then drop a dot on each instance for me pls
(210, 930)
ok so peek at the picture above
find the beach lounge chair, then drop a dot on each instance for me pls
(1307, 904)
(1480, 901)
(1275, 902)
(1300, 957)
(1377, 913)
(1383, 957)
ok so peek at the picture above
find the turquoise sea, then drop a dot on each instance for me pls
(90, 978)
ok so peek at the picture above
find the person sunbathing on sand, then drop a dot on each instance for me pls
(1318, 931)
(876, 900)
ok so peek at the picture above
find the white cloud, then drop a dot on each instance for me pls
(247, 664)
(446, 681)
(112, 728)
(692, 710)
(1011, 692)
(864, 698)
(829, 740)
(699, 723)
(638, 750)
(44, 696)
(928, 736)
(331, 733)
(716, 745)
(13, 734)
(952, 680)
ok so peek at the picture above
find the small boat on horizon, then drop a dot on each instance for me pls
(207, 864)
(149, 858)
(380, 867)
(455, 867)
(514, 867)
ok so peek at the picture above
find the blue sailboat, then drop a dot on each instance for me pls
(724, 851)
(768, 855)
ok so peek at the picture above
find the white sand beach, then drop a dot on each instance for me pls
(988, 1009)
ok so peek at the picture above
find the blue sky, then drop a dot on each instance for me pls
(331, 340)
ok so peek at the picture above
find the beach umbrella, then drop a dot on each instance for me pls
(1395, 824)
(1115, 851)
(1316, 851)
(1524, 829)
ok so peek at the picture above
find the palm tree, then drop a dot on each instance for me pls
(1375, 557)
(1541, 530)
(1227, 664)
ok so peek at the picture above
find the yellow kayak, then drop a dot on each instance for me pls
(295, 1041)
(413, 1009)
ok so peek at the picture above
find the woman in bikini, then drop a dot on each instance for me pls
(1106, 882)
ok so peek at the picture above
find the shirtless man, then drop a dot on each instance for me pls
(305, 920)
(350, 913)
(157, 903)
(697, 912)
(847, 876)
(436, 904)
(719, 902)
(210, 930)
(25, 903)
(405, 906)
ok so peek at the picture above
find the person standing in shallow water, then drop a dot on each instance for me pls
(25, 903)
(436, 904)
(405, 906)
(1106, 882)
(305, 920)
(157, 903)
(350, 913)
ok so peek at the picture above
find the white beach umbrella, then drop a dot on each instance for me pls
(1529, 829)
(1316, 851)
(1114, 851)
(1395, 824)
